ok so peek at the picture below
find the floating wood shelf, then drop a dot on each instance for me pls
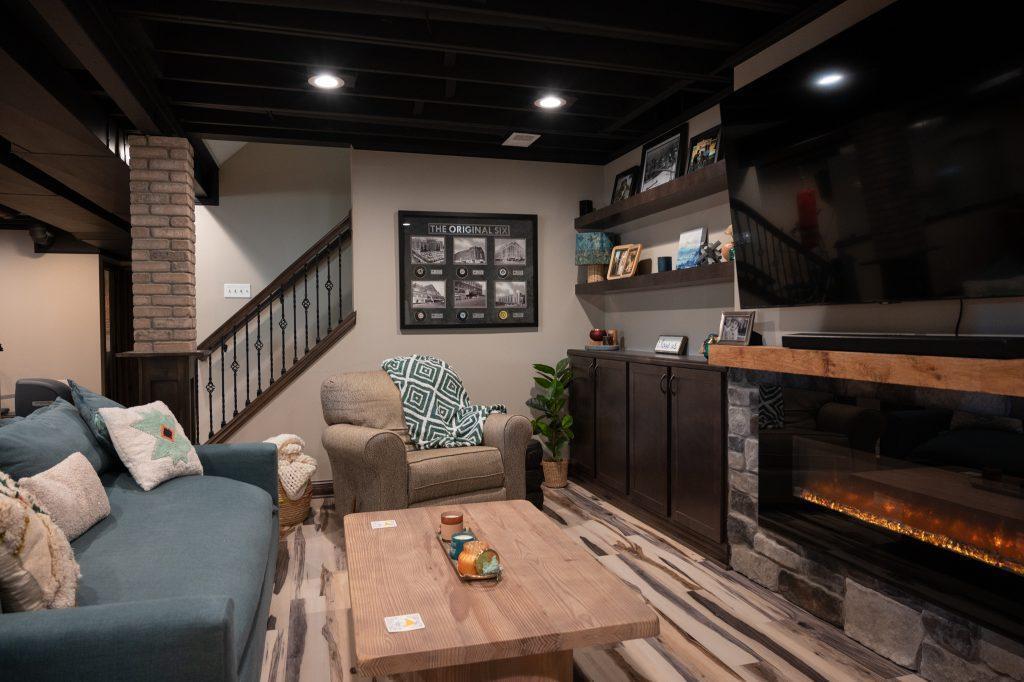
(682, 190)
(716, 273)
(979, 375)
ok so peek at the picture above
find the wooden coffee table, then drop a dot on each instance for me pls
(553, 596)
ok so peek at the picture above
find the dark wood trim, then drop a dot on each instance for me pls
(262, 400)
(684, 189)
(650, 358)
(323, 488)
(342, 229)
(716, 273)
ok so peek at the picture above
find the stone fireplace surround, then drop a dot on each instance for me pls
(920, 636)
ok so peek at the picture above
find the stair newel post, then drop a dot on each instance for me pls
(223, 392)
(283, 324)
(295, 323)
(328, 285)
(234, 371)
(210, 387)
(316, 266)
(270, 334)
(305, 300)
(259, 352)
(247, 401)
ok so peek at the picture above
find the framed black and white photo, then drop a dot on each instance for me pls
(704, 149)
(467, 270)
(736, 327)
(661, 159)
(625, 184)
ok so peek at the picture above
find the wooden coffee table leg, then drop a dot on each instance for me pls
(551, 667)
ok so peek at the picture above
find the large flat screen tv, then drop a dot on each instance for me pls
(887, 164)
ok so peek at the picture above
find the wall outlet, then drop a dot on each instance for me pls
(237, 291)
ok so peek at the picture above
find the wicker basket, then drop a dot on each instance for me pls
(555, 473)
(293, 512)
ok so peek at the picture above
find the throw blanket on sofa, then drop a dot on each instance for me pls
(436, 406)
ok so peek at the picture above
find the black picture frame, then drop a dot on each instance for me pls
(697, 154)
(620, 192)
(661, 158)
(479, 274)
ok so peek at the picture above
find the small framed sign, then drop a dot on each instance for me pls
(671, 345)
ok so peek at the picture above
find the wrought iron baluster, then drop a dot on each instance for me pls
(328, 284)
(223, 408)
(295, 324)
(210, 387)
(259, 350)
(234, 370)
(339, 280)
(305, 300)
(270, 333)
(247, 401)
(194, 435)
(283, 324)
(316, 290)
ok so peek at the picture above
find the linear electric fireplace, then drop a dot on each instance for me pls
(846, 491)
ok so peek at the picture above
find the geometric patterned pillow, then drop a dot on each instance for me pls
(151, 443)
(772, 411)
(435, 403)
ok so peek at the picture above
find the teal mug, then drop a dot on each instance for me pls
(458, 541)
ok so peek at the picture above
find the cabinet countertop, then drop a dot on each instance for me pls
(649, 357)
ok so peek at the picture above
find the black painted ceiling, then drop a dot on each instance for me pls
(444, 76)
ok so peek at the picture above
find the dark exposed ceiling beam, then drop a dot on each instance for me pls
(538, 47)
(766, 6)
(329, 55)
(533, 15)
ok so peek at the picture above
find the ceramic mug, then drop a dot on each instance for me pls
(458, 540)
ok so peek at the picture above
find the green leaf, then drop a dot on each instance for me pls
(546, 369)
(562, 365)
(542, 382)
(566, 421)
(536, 404)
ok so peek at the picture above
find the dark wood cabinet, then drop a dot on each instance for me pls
(612, 423)
(698, 451)
(649, 436)
(581, 406)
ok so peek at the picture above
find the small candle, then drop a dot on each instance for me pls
(458, 540)
(451, 523)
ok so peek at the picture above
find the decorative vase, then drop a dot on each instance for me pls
(556, 474)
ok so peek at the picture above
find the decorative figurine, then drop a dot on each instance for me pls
(711, 338)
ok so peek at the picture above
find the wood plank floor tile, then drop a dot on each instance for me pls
(716, 624)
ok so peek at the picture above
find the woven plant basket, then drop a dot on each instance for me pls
(293, 512)
(555, 473)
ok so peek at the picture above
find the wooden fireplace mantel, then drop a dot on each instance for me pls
(999, 377)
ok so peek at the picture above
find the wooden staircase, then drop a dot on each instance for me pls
(274, 338)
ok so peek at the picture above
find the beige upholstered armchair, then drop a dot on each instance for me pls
(376, 466)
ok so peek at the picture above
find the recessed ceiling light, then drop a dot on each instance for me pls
(550, 102)
(829, 79)
(326, 81)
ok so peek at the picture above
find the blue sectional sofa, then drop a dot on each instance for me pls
(176, 582)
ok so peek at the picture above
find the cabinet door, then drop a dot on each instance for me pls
(698, 451)
(612, 444)
(649, 436)
(581, 407)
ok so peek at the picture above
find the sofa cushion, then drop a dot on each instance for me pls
(88, 404)
(443, 472)
(368, 399)
(46, 437)
(191, 536)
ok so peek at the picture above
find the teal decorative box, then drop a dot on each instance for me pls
(594, 250)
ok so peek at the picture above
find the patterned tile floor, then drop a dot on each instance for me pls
(715, 624)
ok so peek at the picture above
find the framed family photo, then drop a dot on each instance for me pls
(736, 327)
(704, 149)
(624, 261)
(661, 159)
(626, 184)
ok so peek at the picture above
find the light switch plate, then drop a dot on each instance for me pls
(237, 291)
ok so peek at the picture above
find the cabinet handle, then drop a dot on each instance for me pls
(593, 368)
(663, 384)
(672, 384)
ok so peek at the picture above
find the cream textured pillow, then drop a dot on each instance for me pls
(151, 443)
(72, 494)
(37, 568)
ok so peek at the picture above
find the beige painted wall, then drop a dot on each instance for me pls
(49, 315)
(276, 201)
(495, 365)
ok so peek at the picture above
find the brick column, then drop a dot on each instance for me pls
(162, 186)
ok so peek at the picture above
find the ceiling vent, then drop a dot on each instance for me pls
(520, 140)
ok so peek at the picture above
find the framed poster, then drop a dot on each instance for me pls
(469, 270)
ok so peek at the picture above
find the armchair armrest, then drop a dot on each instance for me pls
(369, 466)
(510, 433)
(253, 463)
(184, 638)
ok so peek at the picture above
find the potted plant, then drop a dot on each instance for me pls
(553, 425)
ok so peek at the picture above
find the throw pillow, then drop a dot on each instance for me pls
(772, 413)
(45, 438)
(37, 568)
(151, 443)
(88, 404)
(72, 494)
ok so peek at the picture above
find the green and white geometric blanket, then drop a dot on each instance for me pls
(436, 406)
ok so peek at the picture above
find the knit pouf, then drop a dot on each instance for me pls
(293, 512)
